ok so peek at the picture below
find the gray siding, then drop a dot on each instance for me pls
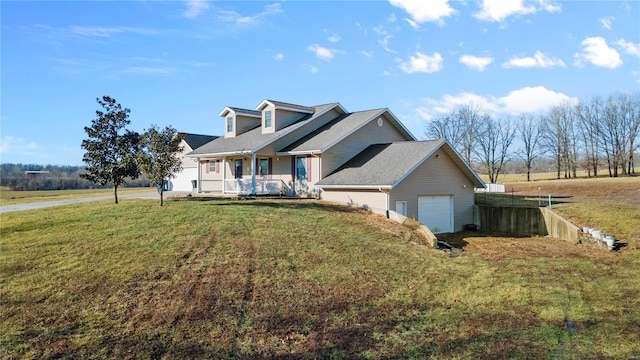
(244, 124)
(296, 134)
(353, 144)
(370, 199)
(438, 175)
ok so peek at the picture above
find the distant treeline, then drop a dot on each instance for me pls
(53, 177)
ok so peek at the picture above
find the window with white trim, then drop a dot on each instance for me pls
(229, 124)
(212, 166)
(267, 119)
(401, 208)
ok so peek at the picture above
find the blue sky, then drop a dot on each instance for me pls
(180, 63)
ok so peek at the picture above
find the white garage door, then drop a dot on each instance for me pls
(436, 212)
(183, 181)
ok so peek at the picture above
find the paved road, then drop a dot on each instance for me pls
(46, 204)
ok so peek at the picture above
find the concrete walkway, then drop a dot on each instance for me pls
(46, 204)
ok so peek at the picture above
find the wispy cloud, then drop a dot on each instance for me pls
(107, 32)
(195, 8)
(422, 63)
(368, 54)
(499, 10)
(478, 63)
(384, 38)
(278, 57)
(597, 52)
(10, 144)
(607, 22)
(151, 70)
(538, 60)
(323, 53)
(231, 16)
(629, 47)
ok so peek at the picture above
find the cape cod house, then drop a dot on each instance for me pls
(365, 158)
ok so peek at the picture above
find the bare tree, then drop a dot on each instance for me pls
(459, 127)
(589, 117)
(530, 132)
(560, 139)
(493, 142)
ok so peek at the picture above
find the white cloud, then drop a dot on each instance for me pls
(629, 47)
(425, 11)
(539, 59)
(195, 8)
(278, 57)
(597, 52)
(536, 99)
(499, 10)
(322, 52)
(413, 24)
(422, 63)
(240, 20)
(606, 22)
(312, 69)
(478, 63)
(10, 144)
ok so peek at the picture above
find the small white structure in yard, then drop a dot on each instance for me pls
(182, 181)
(491, 188)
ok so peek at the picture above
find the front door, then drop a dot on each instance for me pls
(238, 169)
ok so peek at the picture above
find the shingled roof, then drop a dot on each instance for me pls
(196, 140)
(254, 139)
(385, 165)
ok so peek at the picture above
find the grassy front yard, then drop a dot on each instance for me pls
(298, 279)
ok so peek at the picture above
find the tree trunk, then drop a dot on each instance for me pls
(115, 192)
(161, 194)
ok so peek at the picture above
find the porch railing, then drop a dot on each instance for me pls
(263, 186)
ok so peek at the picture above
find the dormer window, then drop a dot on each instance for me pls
(229, 124)
(267, 119)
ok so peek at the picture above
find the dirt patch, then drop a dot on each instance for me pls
(499, 248)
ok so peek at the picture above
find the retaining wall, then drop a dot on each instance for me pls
(526, 221)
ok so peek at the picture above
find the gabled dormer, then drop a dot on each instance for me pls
(276, 115)
(238, 121)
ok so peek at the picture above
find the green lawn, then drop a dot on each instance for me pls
(298, 279)
(10, 197)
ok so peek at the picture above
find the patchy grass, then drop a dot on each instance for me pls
(298, 279)
(10, 197)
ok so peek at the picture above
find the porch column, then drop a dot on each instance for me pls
(224, 173)
(253, 174)
(199, 176)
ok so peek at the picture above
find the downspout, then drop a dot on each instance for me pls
(199, 176)
(253, 174)
(387, 202)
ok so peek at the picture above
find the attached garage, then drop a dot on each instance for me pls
(182, 180)
(423, 180)
(436, 212)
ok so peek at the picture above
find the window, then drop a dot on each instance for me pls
(263, 167)
(212, 166)
(301, 168)
(267, 119)
(238, 167)
(229, 124)
(401, 208)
